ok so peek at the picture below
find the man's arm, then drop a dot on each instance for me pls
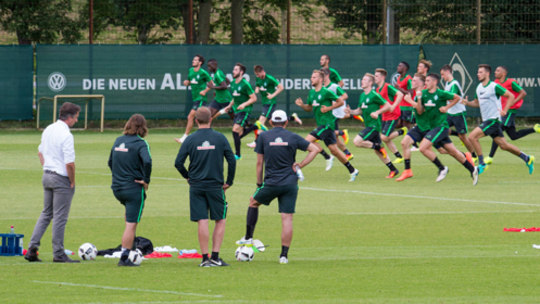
(70, 168)
(222, 86)
(276, 93)
(509, 102)
(231, 162)
(451, 104)
(250, 101)
(301, 104)
(41, 159)
(336, 104)
(180, 159)
(259, 168)
(313, 150)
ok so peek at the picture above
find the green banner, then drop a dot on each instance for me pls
(16, 82)
(148, 79)
(520, 60)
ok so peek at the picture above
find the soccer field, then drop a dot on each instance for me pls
(371, 241)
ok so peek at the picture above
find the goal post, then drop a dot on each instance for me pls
(88, 99)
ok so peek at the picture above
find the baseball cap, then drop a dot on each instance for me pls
(279, 116)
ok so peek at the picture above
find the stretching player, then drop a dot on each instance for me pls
(508, 121)
(334, 75)
(370, 106)
(487, 98)
(321, 101)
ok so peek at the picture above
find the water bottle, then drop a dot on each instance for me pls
(68, 252)
(12, 231)
(299, 173)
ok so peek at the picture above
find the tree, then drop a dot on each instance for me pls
(40, 21)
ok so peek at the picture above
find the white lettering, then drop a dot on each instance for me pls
(352, 85)
(93, 84)
(179, 85)
(297, 84)
(86, 84)
(345, 83)
(306, 84)
(113, 84)
(132, 84)
(167, 82)
(123, 82)
(151, 84)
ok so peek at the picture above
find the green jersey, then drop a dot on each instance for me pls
(421, 119)
(432, 102)
(334, 76)
(267, 86)
(198, 81)
(222, 96)
(240, 93)
(370, 103)
(323, 97)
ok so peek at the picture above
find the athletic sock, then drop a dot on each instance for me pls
(284, 251)
(494, 147)
(400, 132)
(524, 156)
(349, 166)
(438, 163)
(205, 257)
(481, 159)
(398, 155)
(407, 164)
(251, 221)
(215, 256)
(125, 254)
(237, 142)
(346, 151)
(340, 133)
(468, 166)
(473, 154)
(391, 166)
(248, 130)
(454, 133)
(324, 154)
(376, 146)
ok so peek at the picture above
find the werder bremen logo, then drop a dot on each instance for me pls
(56, 81)
(460, 73)
(206, 146)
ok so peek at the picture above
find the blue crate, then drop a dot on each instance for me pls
(12, 244)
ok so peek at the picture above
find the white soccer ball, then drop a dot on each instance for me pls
(259, 245)
(87, 252)
(244, 254)
(136, 256)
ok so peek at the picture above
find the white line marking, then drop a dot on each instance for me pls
(439, 212)
(129, 289)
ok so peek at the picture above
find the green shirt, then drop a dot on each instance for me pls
(198, 81)
(432, 102)
(240, 94)
(370, 103)
(222, 96)
(323, 97)
(267, 86)
(334, 76)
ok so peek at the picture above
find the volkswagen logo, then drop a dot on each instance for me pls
(56, 81)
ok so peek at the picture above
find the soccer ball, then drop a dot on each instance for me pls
(87, 252)
(136, 257)
(244, 254)
(259, 245)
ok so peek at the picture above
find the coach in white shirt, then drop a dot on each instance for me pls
(57, 156)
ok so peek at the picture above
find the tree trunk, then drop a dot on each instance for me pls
(142, 34)
(203, 21)
(185, 17)
(23, 40)
(284, 26)
(237, 30)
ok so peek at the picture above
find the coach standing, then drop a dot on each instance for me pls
(206, 149)
(131, 165)
(57, 157)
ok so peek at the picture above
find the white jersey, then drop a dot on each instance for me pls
(489, 99)
(338, 112)
(458, 107)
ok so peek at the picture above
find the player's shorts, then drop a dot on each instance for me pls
(218, 105)
(459, 121)
(438, 136)
(267, 110)
(371, 134)
(198, 103)
(491, 127)
(326, 134)
(388, 127)
(203, 201)
(407, 114)
(286, 195)
(133, 201)
(241, 118)
(336, 125)
(509, 120)
(416, 134)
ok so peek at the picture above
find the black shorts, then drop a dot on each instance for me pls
(492, 128)
(198, 103)
(336, 125)
(459, 121)
(204, 200)
(370, 134)
(286, 195)
(388, 127)
(218, 105)
(416, 134)
(509, 120)
(133, 201)
(438, 136)
(326, 134)
(407, 114)
(267, 110)
(241, 118)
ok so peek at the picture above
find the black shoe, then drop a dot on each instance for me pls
(218, 262)
(32, 255)
(206, 263)
(64, 259)
(126, 262)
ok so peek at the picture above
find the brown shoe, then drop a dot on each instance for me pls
(64, 259)
(32, 255)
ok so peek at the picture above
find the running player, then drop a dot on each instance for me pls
(222, 102)
(508, 121)
(423, 67)
(390, 118)
(404, 85)
(370, 106)
(334, 75)
(197, 79)
(321, 101)
(487, 99)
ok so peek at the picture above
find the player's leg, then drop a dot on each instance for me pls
(217, 205)
(433, 137)
(528, 159)
(332, 146)
(287, 204)
(315, 135)
(474, 138)
(387, 134)
(203, 235)
(406, 144)
(237, 131)
(189, 126)
(460, 157)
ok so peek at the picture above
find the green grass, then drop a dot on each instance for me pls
(371, 241)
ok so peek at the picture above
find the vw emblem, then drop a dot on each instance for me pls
(56, 81)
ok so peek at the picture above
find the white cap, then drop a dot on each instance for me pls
(279, 116)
